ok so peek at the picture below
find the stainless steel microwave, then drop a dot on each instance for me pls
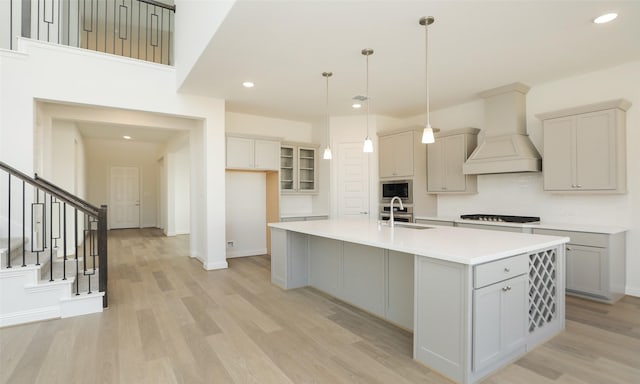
(401, 188)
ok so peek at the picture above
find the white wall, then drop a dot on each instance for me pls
(96, 79)
(104, 154)
(522, 194)
(176, 181)
(284, 130)
(195, 24)
(246, 213)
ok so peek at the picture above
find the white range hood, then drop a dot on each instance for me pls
(506, 147)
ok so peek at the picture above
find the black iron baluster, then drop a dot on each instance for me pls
(76, 248)
(64, 241)
(9, 225)
(51, 237)
(102, 254)
(24, 236)
(139, 12)
(11, 25)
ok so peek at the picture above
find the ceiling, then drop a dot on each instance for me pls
(284, 46)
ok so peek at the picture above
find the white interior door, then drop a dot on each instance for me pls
(353, 180)
(125, 198)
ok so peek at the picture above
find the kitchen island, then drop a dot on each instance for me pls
(475, 300)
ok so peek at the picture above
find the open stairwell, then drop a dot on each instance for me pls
(44, 287)
(53, 251)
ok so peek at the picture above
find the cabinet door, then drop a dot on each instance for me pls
(364, 277)
(239, 152)
(399, 308)
(454, 158)
(266, 154)
(307, 169)
(287, 174)
(324, 265)
(596, 151)
(585, 269)
(559, 158)
(435, 168)
(500, 316)
(396, 155)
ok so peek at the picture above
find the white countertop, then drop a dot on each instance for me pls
(292, 215)
(542, 225)
(460, 245)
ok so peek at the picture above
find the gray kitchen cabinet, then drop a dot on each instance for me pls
(500, 310)
(595, 264)
(252, 153)
(396, 155)
(399, 303)
(585, 148)
(444, 223)
(503, 228)
(325, 260)
(445, 158)
(298, 169)
(363, 280)
(303, 218)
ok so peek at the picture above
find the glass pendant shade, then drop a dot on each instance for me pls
(327, 153)
(368, 145)
(427, 135)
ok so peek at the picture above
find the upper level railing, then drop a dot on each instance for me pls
(140, 29)
(43, 219)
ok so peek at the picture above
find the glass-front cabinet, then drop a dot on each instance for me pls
(298, 169)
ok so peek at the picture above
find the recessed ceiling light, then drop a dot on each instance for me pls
(607, 17)
(356, 105)
(248, 84)
(126, 137)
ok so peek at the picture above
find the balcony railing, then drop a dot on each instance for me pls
(140, 29)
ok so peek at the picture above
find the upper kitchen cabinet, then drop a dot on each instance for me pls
(252, 153)
(298, 169)
(585, 148)
(445, 158)
(396, 154)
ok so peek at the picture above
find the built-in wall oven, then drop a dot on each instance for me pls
(404, 190)
(401, 188)
(404, 215)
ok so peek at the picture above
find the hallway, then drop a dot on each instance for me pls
(170, 321)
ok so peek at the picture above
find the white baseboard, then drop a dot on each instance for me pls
(246, 252)
(633, 291)
(83, 304)
(29, 316)
(216, 265)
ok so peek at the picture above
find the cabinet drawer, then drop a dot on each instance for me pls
(490, 273)
(600, 240)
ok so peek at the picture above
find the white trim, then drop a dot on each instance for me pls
(250, 252)
(83, 304)
(633, 291)
(214, 266)
(30, 315)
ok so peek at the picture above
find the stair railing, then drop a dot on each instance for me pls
(40, 210)
(140, 29)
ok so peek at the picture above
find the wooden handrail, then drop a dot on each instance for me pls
(60, 193)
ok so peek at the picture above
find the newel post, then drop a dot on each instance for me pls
(102, 253)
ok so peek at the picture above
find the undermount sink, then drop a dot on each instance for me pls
(412, 226)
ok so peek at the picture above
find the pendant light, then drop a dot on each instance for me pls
(327, 150)
(368, 144)
(427, 133)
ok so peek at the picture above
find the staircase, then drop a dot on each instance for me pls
(53, 254)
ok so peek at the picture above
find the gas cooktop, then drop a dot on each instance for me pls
(501, 218)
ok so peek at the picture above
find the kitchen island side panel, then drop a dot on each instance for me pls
(442, 316)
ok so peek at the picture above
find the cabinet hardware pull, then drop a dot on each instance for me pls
(568, 249)
(579, 186)
(507, 288)
(507, 270)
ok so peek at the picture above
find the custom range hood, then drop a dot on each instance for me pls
(506, 147)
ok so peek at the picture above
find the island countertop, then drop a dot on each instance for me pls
(460, 245)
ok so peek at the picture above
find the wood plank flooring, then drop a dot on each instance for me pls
(170, 321)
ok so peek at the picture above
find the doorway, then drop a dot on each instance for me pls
(124, 198)
(353, 180)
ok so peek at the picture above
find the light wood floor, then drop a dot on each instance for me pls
(170, 321)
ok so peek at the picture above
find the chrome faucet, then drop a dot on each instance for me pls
(391, 223)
